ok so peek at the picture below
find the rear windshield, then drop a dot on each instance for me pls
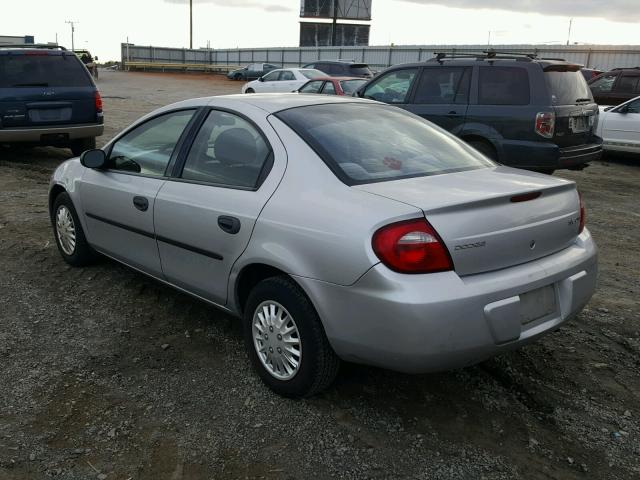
(365, 143)
(567, 88)
(42, 70)
(312, 73)
(350, 86)
(360, 69)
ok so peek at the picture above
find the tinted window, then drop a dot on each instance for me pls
(335, 69)
(392, 87)
(365, 143)
(633, 107)
(358, 70)
(287, 75)
(311, 74)
(323, 67)
(228, 150)
(567, 88)
(312, 87)
(148, 148)
(603, 84)
(329, 89)
(350, 86)
(443, 85)
(271, 76)
(628, 84)
(503, 86)
(42, 69)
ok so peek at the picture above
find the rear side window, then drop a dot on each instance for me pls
(287, 75)
(329, 89)
(503, 86)
(604, 83)
(394, 87)
(567, 87)
(443, 85)
(334, 69)
(312, 87)
(311, 73)
(364, 143)
(629, 84)
(228, 151)
(350, 86)
(358, 70)
(42, 70)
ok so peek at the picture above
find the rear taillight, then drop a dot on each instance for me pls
(412, 246)
(545, 124)
(583, 214)
(98, 100)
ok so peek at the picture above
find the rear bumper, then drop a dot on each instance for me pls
(48, 135)
(549, 155)
(422, 323)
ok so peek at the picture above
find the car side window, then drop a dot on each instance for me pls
(633, 107)
(287, 75)
(503, 86)
(329, 89)
(147, 148)
(271, 76)
(628, 84)
(440, 85)
(312, 87)
(228, 150)
(394, 87)
(335, 69)
(604, 84)
(323, 67)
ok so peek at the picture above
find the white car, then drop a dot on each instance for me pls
(619, 127)
(282, 80)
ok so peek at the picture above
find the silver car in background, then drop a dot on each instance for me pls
(336, 228)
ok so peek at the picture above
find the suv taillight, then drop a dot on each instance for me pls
(98, 101)
(583, 214)
(545, 124)
(411, 246)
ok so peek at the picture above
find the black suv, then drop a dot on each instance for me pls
(47, 97)
(342, 68)
(617, 86)
(516, 109)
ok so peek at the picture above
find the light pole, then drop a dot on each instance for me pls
(191, 24)
(73, 29)
(569, 34)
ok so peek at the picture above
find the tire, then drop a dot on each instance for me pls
(79, 146)
(318, 364)
(80, 253)
(249, 90)
(237, 76)
(485, 148)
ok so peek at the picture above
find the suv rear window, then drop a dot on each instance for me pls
(42, 70)
(365, 143)
(566, 87)
(360, 69)
(503, 86)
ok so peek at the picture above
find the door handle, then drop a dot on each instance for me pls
(141, 203)
(229, 224)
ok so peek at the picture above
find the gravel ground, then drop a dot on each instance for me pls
(107, 374)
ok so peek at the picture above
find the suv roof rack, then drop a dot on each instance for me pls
(485, 55)
(45, 46)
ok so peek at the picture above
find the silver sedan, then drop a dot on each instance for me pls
(335, 228)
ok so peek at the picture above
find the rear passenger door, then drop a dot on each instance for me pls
(205, 213)
(442, 96)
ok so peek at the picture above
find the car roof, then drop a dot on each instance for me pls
(337, 79)
(432, 62)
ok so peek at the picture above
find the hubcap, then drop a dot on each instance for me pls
(276, 340)
(66, 230)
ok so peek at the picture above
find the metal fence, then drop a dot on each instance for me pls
(603, 57)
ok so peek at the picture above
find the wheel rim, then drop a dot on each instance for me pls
(277, 340)
(66, 230)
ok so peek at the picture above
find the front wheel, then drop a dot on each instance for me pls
(68, 233)
(285, 340)
(484, 148)
(249, 90)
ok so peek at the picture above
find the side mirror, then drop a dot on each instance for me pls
(261, 79)
(93, 159)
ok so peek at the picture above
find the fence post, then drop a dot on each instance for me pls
(184, 56)
(282, 57)
(300, 57)
(588, 58)
(364, 51)
(389, 60)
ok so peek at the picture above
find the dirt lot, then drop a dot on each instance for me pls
(87, 391)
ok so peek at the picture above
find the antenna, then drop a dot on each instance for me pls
(73, 29)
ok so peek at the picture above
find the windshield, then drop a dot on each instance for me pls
(350, 86)
(567, 88)
(311, 73)
(364, 143)
(42, 70)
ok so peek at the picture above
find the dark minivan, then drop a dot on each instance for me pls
(47, 97)
(516, 109)
(616, 86)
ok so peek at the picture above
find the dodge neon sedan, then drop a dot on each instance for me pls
(336, 228)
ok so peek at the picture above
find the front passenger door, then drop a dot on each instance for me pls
(621, 127)
(118, 202)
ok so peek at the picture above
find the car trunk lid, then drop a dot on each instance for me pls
(492, 218)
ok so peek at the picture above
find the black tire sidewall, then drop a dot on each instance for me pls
(486, 149)
(309, 329)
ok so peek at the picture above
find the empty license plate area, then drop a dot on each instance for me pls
(537, 304)
(50, 114)
(579, 124)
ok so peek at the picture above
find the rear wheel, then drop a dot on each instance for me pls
(285, 340)
(237, 76)
(81, 145)
(250, 90)
(68, 233)
(485, 148)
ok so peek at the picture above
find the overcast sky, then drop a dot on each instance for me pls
(103, 25)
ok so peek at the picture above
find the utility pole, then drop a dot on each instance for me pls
(73, 29)
(569, 34)
(190, 23)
